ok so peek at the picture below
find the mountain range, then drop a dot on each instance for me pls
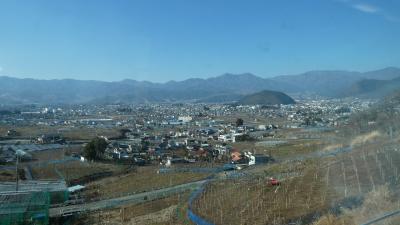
(223, 88)
(372, 88)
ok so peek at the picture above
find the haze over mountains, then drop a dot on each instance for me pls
(224, 88)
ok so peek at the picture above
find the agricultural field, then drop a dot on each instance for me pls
(143, 179)
(292, 148)
(168, 211)
(319, 190)
(70, 133)
(72, 170)
(47, 155)
(253, 199)
(7, 175)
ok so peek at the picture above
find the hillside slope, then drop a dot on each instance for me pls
(373, 88)
(267, 97)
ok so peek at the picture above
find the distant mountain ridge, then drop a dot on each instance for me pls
(373, 88)
(227, 87)
(333, 83)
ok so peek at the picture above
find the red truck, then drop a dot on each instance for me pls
(273, 182)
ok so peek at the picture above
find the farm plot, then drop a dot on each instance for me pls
(161, 211)
(144, 179)
(72, 170)
(237, 201)
(320, 186)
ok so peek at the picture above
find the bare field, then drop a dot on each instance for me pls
(163, 211)
(72, 133)
(85, 133)
(28, 131)
(282, 151)
(41, 156)
(293, 148)
(3, 131)
(252, 119)
(144, 179)
(7, 175)
(74, 170)
(45, 173)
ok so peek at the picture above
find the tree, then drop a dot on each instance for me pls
(308, 121)
(244, 137)
(239, 122)
(95, 148)
(123, 132)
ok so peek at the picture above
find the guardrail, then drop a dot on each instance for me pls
(383, 217)
(132, 199)
(191, 170)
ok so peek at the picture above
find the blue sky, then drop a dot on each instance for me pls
(161, 40)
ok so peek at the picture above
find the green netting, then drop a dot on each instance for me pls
(24, 208)
(58, 197)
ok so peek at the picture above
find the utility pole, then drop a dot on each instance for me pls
(16, 172)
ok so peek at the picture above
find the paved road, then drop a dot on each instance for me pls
(130, 199)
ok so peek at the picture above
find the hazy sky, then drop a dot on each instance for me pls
(160, 40)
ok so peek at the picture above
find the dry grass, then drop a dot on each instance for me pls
(72, 133)
(256, 202)
(144, 179)
(7, 175)
(330, 219)
(162, 211)
(85, 133)
(362, 139)
(45, 173)
(376, 203)
(28, 131)
(282, 151)
(295, 148)
(315, 187)
(42, 156)
(242, 146)
(3, 130)
(74, 170)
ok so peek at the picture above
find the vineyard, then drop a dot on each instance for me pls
(312, 190)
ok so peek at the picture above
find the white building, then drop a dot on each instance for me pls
(185, 119)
